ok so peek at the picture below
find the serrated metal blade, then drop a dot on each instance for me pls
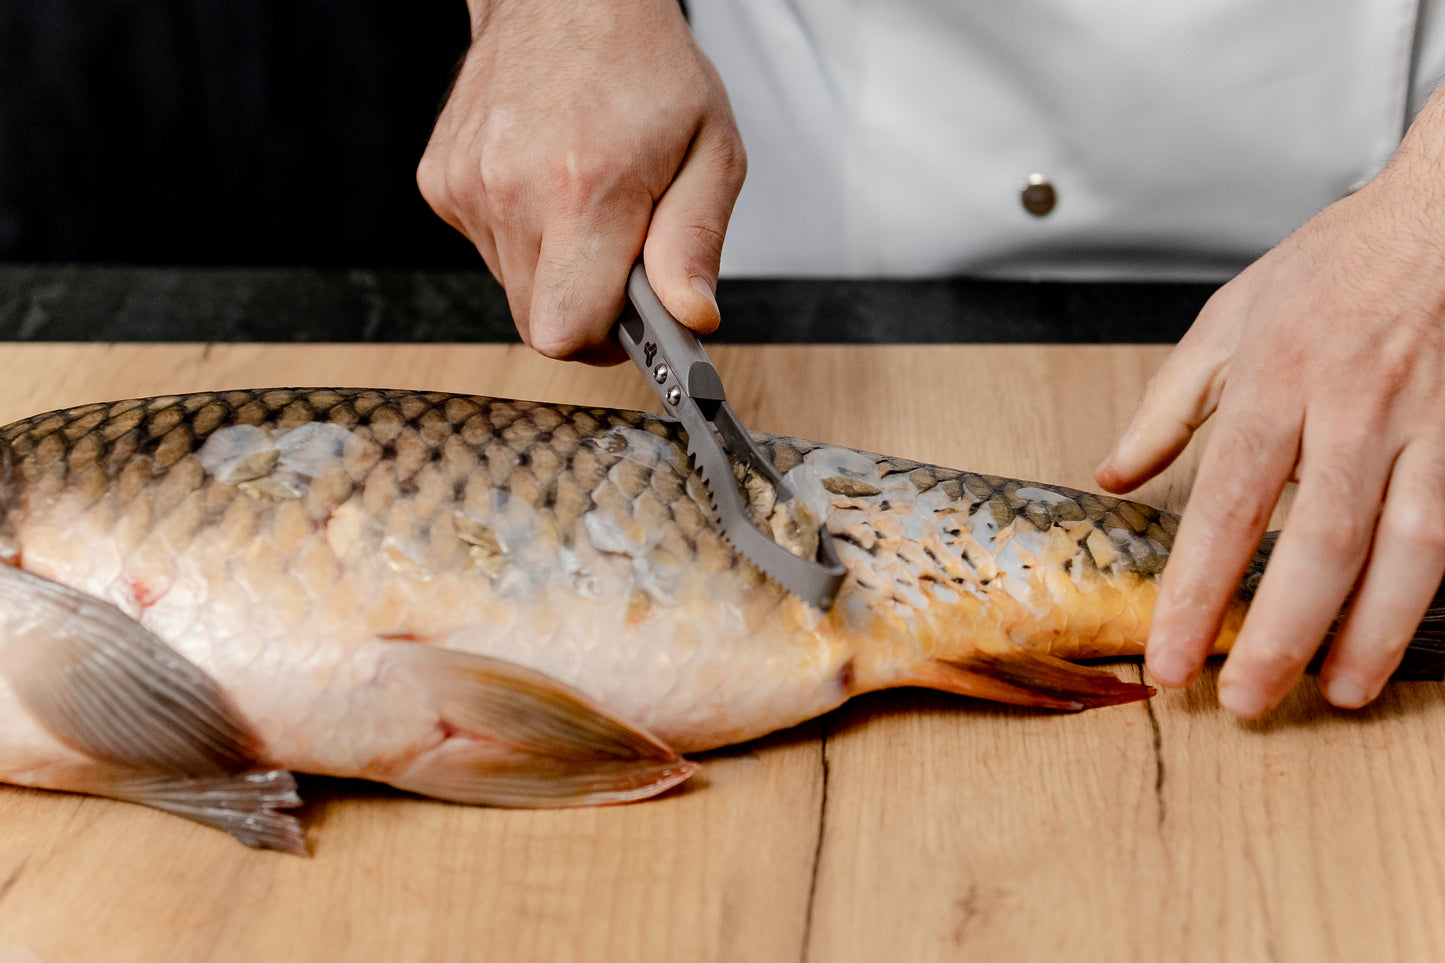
(815, 581)
(680, 372)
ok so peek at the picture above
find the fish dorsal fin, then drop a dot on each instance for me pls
(159, 729)
(524, 739)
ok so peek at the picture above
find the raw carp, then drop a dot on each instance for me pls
(499, 602)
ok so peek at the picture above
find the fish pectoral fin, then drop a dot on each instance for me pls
(159, 730)
(244, 804)
(1026, 678)
(104, 684)
(521, 738)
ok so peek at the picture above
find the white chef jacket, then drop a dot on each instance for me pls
(1169, 138)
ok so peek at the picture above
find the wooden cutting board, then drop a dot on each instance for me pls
(906, 826)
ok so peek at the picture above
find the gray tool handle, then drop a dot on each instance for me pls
(667, 350)
(683, 377)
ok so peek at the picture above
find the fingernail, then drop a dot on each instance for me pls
(1347, 693)
(701, 286)
(1241, 700)
(1171, 668)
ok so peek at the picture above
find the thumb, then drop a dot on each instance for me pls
(684, 241)
(1180, 397)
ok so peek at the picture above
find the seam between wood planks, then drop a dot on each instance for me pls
(806, 948)
(1158, 737)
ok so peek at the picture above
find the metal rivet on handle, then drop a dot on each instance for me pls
(659, 374)
(674, 395)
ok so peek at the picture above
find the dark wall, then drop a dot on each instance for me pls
(223, 131)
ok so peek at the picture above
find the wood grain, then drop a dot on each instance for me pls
(906, 826)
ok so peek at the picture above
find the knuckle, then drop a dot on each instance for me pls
(1228, 299)
(1414, 517)
(1425, 535)
(1335, 480)
(1237, 507)
(731, 157)
(1275, 658)
(1414, 338)
(1346, 536)
(1428, 536)
(466, 202)
(497, 172)
(1383, 653)
(1220, 320)
(1186, 390)
(1248, 448)
(429, 179)
(1235, 498)
(1338, 519)
(1398, 357)
(704, 237)
(437, 186)
(580, 181)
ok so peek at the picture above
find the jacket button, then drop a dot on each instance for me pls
(1038, 195)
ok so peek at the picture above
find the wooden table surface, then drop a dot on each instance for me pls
(906, 826)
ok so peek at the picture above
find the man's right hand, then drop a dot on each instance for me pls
(578, 134)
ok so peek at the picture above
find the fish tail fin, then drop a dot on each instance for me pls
(517, 737)
(1027, 678)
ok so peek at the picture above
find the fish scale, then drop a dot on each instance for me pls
(503, 602)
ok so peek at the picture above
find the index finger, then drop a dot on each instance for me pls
(1244, 469)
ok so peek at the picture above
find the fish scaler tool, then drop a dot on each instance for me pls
(679, 370)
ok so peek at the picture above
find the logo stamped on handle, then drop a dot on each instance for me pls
(649, 351)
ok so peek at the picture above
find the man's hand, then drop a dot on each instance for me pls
(1323, 361)
(578, 134)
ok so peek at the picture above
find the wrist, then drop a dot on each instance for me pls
(1414, 179)
(481, 10)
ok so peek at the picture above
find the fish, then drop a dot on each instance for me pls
(504, 602)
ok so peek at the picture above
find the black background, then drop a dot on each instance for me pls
(244, 132)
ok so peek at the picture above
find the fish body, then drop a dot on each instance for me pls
(498, 601)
